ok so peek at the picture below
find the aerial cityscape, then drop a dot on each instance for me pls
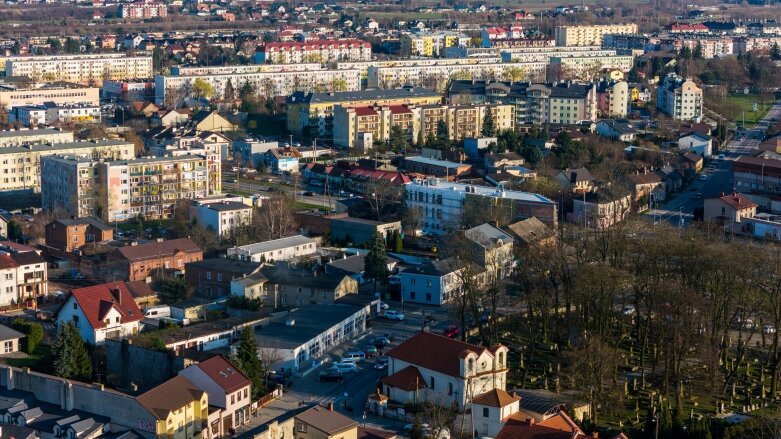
(381, 219)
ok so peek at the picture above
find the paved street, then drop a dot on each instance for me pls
(259, 187)
(749, 142)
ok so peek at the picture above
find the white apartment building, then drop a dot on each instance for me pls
(142, 10)
(23, 277)
(442, 203)
(680, 98)
(590, 35)
(436, 76)
(588, 68)
(282, 249)
(124, 189)
(348, 49)
(50, 113)
(88, 69)
(363, 66)
(544, 54)
(20, 166)
(15, 95)
(221, 215)
(35, 136)
(269, 84)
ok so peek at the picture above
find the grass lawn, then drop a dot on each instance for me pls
(746, 103)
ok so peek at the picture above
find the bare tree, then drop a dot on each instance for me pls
(274, 219)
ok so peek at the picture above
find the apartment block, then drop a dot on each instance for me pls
(588, 68)
(679, 98)
(544, 54)
(436, 77)
(265, 83)
(319, 51)
(35, 136)
(20, 166)
(23, 278)
(313, 113)
(590, 35)
(89, 69)
(50, 113)
(124, 189)
(363, 66)
(431, 43)
(14, 94)
(142, 10)
(222, 215)
(443, 203)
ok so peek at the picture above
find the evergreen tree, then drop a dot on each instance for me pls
(173, 289)
(71, 359)
(33, 332)
(685, 53)
(398, 244)
(158, 58)
(246, 91)
(230, 93)
(72, 46)
(488, 124)
(247, 361)
(442, 130)
(376, 261)
(697, 53)
(775, 52)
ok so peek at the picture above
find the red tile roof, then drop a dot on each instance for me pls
(496, 398)
(365, 111)
(96, 301)
(514, 429)
(399, 109)
(225, 374)
(170, 396)
(435, 352)
(314, 45)
(154, 250)
(738, 201)
(7, 262)
(408, 379)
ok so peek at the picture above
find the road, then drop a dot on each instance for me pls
(261, 187)
(748, 144)
(681, 205)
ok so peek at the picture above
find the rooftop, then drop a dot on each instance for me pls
(310, 321)
(435, 162)
(228, 265)
(225, 374)
(326, 420)
(485, 191)
(170, 396)
(158, 249)
(434, 352)
(84, 144)
(369, 95)
(275, 244)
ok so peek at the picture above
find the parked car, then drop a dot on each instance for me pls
(345, 366)
(331, 375)
(451, 331)
(722, 157)
(277, 378)
(769, 329)
(628, 310)
(381, 341)
(371, 351)
(703, 177)
(308, 193)
(394, 315)
(354, 356)
(381, 363)
(384, 305)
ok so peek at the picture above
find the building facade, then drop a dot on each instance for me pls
(590, 35)
(89, 69)
(679, 98)
(319, 51)
(61, 93)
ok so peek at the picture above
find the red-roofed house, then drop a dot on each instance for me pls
(687, 28)
(492, 409)
(101, 311)
(453, 371)
(136, 262)
(23, 277)
(727, 210)
(228, 389)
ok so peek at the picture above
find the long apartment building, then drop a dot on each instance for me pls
(18, 93)
(589, 68)
(545, 54)
(313, 113)
(20, 166)
(347, 49)
(590, 35)
(142, 10)
(442, 204)
(361, 126)
(123, 189)
(437, 77)
(266, 83)
(35, 136)
(87, 69)
(679, 98)
(363, 66)
(564, 103)
(431, 43)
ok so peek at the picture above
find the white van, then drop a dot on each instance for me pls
(156, 312)
(356, 356)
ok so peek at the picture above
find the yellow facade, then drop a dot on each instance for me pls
(185, 421)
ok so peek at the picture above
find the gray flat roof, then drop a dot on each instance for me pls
(227, 206)
(276, 244)
(480, 190)
(60, 146)
(27, 133)
(310, 322)
(434, 162)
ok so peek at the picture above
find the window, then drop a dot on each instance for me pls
(449, 388)
(9, 346)
(233, 398)
(208, 275)
(245, 393)
(412, 295)
(501, 359)
(428, 297)
(219, 276)
(301, 427)
(75, 305)
(485, 412)
(432, 384)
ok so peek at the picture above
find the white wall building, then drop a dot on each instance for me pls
(220, 215)
(101, 311)
(282, 249)
(88, 69)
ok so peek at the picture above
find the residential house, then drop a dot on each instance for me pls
(179, 407)
(648, 187)
(206, 120)
(251, 286)
(492, 248)
(283, 159)
(502, 160)
(316, 222)
(139, 261)
(23, 277)
(295, 287)
(101, 311)
(142, 293)
(679, 98)
(698, 143)
(282, 249)
(171, 118)
(359, 231)
(435, 282)
(9, 340)
(221, 215)
(354, 266)
(324, 423)
(616, 130)
(601, 207)
(728, 210)
(68, 235)
(212, 277)
(3, 227)
(430, 367)
(576, 180)
(531, 231)
(227, 388)
(692, 161)
(491, 410)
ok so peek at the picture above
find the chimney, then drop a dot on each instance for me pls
(117, 294)
(331, 406)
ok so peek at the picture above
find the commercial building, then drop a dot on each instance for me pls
(50, 113)
(128, 90)
(312, 113)
(283, 159)
(35, 136)
(359, 231)
(679, 98)
(437, 76)
(137, 262)
(267, 83)
(20, 166)
(431, 43)
(590, 35)
(318, 51)
(142, 10)
(88, 69)
(220, 215)
(757, 175)
(588, 68)
(442, 204)
(19, 93)
(282, 249)
(443, 169)
(124, 189)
